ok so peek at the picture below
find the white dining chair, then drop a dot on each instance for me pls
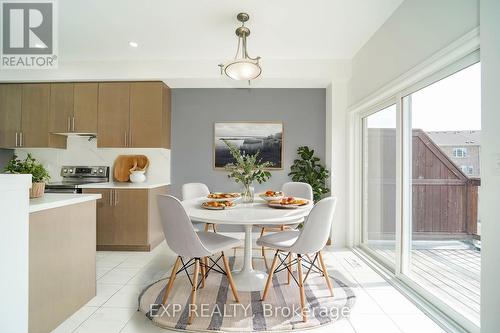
(290, 189)
(194, 191)
(196, 246)
(310, 239)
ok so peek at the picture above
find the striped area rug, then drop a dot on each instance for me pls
(216, 310)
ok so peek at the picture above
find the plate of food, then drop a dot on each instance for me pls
(271, 195)
(288, 202)
(218, 205)
(219, 196)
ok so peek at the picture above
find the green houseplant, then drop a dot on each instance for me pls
(30, 166)
(246, 169)
(308, 169)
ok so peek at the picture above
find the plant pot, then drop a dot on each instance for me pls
(137, 176)
(36, 190)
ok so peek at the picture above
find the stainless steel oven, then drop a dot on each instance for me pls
(75, 176)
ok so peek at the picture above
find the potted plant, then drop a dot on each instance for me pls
(30, 166)
(246, 169)
(308, 169)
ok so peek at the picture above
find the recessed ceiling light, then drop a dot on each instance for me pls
(133, 44)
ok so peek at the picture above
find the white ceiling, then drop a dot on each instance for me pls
(303, 43)
(204, 29)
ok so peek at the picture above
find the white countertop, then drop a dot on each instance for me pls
(55, 200)
(145, 185)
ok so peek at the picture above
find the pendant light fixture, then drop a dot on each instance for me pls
(242, 67)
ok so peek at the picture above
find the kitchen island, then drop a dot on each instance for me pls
(62, 249)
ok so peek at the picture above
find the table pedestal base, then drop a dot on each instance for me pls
(248, 279)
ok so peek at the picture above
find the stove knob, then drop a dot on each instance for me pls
(70, 170)
(101, 170)
(65, 170)
(93, 171)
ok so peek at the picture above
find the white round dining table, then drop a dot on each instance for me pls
(247, 215)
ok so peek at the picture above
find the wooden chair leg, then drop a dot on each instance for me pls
(207, 225)
(325, 272)
(230, 278)
(262, 250)
(301, 288)
(193, 289)
(289, 270)
(171, 279)
(203, 270)
(214, 228)
(270, 277)
(205, 261)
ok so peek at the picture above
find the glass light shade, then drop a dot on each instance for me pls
(243, 69)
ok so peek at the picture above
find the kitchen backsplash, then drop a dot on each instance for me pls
(81, 151)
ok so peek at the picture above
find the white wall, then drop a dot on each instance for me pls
(14, 250)
(415, 31)
(490, 172)
(336, 158)
(82, 152)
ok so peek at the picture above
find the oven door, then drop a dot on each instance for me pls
(63, 190)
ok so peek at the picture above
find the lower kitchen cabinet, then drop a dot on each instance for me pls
(128, 219)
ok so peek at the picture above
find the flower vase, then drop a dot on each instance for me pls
(248, 194)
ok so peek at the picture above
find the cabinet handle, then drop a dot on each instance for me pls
(116, 197)
(73, 123)
(69, 126)
(110, 196)
(20, 139)
(130, 138)
(16, 138)
(125, 139)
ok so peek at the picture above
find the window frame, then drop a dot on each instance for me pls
(459, 55)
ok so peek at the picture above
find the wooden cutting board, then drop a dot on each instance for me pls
(125, 163)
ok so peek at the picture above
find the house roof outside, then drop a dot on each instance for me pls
(455, 138)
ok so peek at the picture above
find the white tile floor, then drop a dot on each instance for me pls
(122, 275)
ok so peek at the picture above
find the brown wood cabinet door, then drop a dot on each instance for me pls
(113, 115)
(105, 219)
(85, 108)
(10, 114)
(35, 115)
(61, 107)
(146, 114)
(167, 117)
(131, 216)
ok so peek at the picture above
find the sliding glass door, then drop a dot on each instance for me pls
(420, 178)
(445, 158)
(379, 183)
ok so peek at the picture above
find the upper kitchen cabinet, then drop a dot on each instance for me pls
(24, 115)
(73, 108)
(134, 114)
(61, 107)
(149, 115)
(10, 114)
(113, 116)
(85, 107)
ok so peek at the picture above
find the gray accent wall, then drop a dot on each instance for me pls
(194, 112)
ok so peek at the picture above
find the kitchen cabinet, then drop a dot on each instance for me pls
(35, 106)
(24, 115)
(113, 115)
(73, 108)
(61, 107)
(149, 115)
(85, 107)
(134, 114)
(128, 219)
(123, 114)
(10, 114)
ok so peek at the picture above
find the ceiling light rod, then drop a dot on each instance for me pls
(242, 67)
